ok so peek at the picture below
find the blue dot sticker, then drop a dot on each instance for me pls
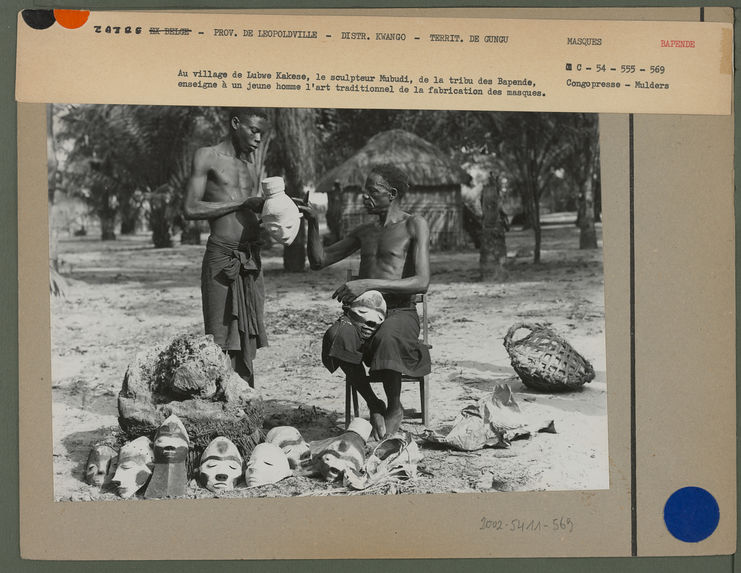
(691, 514)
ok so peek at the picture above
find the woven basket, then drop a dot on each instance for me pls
(545, 361)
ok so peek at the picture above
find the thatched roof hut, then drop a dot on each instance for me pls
(435, 185)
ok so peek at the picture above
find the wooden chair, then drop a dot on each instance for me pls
(351, 395)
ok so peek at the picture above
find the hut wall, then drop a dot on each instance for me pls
(441, 207)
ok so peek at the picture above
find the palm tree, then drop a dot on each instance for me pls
(581, 164)
(530, 149)
(56, 282)
(493, 251)
(120, 154)
(294, 152)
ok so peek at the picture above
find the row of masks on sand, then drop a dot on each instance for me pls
(159, 467)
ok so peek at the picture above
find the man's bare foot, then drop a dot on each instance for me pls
(377, 420)
(393, 419)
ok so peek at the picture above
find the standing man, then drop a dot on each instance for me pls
(221, 191)
(394, 259)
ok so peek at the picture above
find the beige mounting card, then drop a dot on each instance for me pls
(662, 83)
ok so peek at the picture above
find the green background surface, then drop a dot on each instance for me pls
(9, 512)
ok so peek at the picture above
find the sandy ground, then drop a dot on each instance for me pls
(124, 295)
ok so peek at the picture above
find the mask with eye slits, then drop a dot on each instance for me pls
(368, 309)
(135, 463)
(101, 465)
(268, 464)
(289, 439)
(334, 456)
(171, 444)
(221, 465)
(280, 216)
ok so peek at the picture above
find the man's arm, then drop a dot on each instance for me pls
(195, 207)
(415, 284)
(319, 257)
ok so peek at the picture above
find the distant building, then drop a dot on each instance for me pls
(435, 186)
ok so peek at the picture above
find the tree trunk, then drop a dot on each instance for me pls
(57, 284)
(107, 225)
(295, 132)
(129, 221)
(130, 209)
(533, 195)
(527, 211)
(535, 220)
(597, 186)
(334, 213)
(493, 253)
(191, 234)
(537, 230)
(587, 230)
(294, 255)
(160, 217)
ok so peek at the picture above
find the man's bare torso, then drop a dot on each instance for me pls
(229, 180)
(385, 251)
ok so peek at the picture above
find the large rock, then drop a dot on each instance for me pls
(192, 378)
(140, 374)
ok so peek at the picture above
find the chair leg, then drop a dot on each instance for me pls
(424, 391)
(348, 389)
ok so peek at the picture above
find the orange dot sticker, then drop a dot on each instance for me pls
(71, 19)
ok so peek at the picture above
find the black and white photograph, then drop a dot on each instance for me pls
(287, 302)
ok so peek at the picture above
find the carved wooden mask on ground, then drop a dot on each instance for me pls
(289, 439)
(171, 443)
(221, 465)
(267, 464)
(101, 465)
(135, 462)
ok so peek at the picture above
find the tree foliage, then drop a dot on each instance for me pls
(294, 154)
(118, 156)
(116, 153)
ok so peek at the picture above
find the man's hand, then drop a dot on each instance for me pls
(351, 290)
(306, 210)
(254, 204)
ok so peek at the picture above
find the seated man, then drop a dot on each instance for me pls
(394, 260)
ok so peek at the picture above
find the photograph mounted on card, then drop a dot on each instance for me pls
(387, 263)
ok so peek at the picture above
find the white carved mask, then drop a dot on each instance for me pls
(280, 216)
(135, 462)
(283, 232)
(221, 465)
(369, 308)
(289, 439)
(101, 465)
(268, 464)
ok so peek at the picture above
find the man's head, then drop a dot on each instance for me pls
(385, 184)
(247, 126)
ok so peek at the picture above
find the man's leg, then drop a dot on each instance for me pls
(359, 379)
(394, 411)
(240, 367)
